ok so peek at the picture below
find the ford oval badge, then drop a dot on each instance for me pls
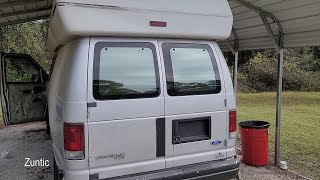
(215, 142)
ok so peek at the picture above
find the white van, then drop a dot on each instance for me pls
(141, 90)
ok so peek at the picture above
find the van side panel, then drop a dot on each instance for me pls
(67, 97)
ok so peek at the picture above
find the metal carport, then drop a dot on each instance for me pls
(279, 24)
(20, 11)
(258, 24)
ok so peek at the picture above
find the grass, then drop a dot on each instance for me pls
(300, 126)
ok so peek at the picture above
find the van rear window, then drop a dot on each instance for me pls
(191, 69)
(125, 71)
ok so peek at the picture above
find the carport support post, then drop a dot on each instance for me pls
(234, 49)
(279, 49)
(235, 71)
(278, 113)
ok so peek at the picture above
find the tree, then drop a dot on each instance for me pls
(27, 38)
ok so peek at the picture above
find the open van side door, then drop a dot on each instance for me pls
(23, 89)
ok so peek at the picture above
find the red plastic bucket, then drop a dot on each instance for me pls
(254, 142)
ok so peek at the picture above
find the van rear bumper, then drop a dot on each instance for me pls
(226, 169)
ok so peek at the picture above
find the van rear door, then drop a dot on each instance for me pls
(195, 111)
(126, 106)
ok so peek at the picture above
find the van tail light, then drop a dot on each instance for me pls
(232, 124)
(73, 141)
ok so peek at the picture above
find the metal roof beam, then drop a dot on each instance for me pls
(24, 12)
(236, 41)
(260, 11)
(14, 3)
(231, 47)
(24, 20)
(270, 32)
(264, 14)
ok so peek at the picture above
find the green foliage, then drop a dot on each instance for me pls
(260, 73)
(257, 69)
(310, 60)
(20, 70)
(27, 38)
(301, 71)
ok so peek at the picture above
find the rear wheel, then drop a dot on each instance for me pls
(47, 123)
(57, 175)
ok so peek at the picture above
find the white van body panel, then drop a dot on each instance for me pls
(205, 7)
(230, 96)
(188, 107)
(139, 90)
(73, 18)
(127, 125)
(67, 102)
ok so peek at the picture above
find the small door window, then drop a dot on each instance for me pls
(125, 71)
(191, 69)
(21, 70)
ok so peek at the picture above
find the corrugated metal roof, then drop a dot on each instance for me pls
(299, 19)
(19, 11)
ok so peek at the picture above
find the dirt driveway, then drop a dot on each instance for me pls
(25, 141)
(31, 141)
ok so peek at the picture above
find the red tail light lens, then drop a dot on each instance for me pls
(232, 121)
(73, 137)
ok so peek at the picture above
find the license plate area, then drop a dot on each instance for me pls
(190, 130)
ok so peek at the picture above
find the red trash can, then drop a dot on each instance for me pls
(254, 142)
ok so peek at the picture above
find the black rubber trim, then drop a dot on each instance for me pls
(94, 177)
(96, 71)
(161, 135)
(254, 124)
(91, 104)
(224, 169)
(178, 138)
(169, 70)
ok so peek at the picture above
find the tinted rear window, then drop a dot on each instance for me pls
(191, 69)
(125, 71)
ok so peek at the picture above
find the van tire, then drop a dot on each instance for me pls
(57, 175)
(47, 123)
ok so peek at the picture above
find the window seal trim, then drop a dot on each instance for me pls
(169, 69)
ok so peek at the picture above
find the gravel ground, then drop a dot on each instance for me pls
(265, 173)
(25, 141)
(31, 141)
